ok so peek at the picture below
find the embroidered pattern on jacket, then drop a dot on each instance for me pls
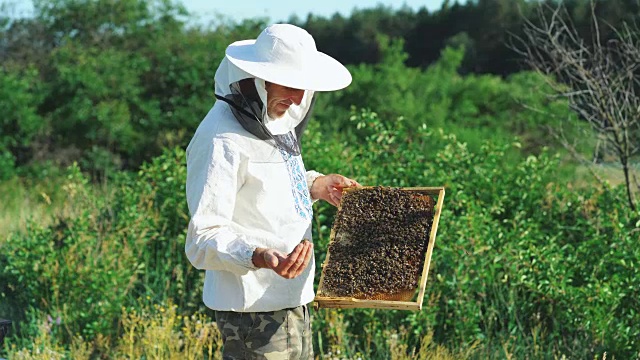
(302, 199)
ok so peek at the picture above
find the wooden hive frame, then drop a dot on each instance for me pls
(322, 301)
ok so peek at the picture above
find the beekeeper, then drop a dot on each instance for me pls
(250, 196)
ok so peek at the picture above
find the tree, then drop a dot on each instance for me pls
(599, 77)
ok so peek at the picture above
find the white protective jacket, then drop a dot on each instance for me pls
(244, 193)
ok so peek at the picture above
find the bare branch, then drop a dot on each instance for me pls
(600, 79)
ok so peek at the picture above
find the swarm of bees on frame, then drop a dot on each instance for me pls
(380, 239)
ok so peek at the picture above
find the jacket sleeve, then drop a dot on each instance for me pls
(311, 176)
(215, 172)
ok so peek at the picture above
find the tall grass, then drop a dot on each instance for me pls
(154, 332)
(44, 195)
(159, 332)
(22, 200)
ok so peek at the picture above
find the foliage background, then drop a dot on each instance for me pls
(99, 99)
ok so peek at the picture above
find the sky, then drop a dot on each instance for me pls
(275, 10)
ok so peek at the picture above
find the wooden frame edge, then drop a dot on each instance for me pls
(432, 242)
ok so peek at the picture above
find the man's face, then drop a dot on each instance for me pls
(279, 98)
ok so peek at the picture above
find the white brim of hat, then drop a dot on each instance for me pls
(320, 73)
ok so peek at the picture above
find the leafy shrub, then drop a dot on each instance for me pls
(120, 247)
(7, 165)
(477, 108)
(20, 122)
(79, 269)
(516, 255)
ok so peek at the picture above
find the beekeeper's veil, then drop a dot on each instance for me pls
(285, 55)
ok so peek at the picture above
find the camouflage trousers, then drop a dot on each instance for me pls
(273, 335)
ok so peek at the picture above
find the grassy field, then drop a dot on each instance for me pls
(42, 200)
(22, 202)
(610, 172)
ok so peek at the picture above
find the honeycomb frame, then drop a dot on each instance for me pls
(408, 300)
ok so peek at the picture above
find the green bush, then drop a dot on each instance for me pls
(476, 108)
(519, 259)
(20, 122)
(7, 165)
(116, 87)
(123, 246)
(80, 269)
